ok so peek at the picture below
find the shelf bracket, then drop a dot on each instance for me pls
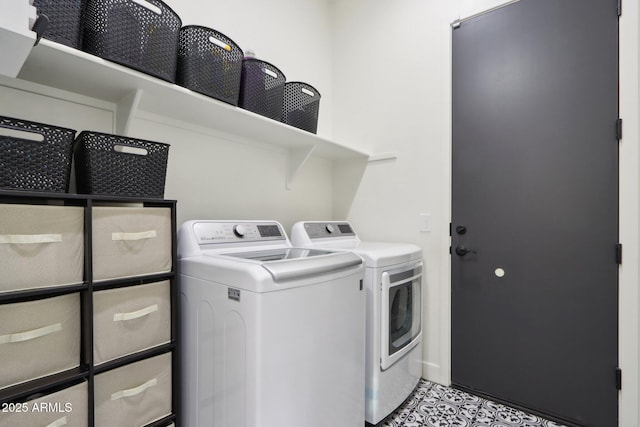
(383, 157)
(296, 158)
(16, 37)
(126, 109)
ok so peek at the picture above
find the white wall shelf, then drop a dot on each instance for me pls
(58, 66)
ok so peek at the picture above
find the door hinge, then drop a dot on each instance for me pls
(618, 379)
(619, 8)
(449, 250)
(619, 129)
(450, 228)
(619, 253)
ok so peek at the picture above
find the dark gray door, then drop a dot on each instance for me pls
(535, 208)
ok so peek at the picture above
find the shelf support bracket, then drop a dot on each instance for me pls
(126, 110)
(296, 158)
(16, 37)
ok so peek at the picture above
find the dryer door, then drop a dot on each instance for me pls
(401, 312)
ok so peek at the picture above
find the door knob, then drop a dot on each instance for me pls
(462, 251)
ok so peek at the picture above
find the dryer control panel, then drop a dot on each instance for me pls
(317, 230)
(207, 232)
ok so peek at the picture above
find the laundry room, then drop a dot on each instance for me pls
(391, 158)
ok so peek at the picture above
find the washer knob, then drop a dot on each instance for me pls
(330, 229)
(239, 230)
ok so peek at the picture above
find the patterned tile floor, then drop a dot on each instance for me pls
(434, 405)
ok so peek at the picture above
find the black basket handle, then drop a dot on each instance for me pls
(148, 5)
(219, 42)
(18, 132)
(269, 72)
(307, 91)
(130, 149)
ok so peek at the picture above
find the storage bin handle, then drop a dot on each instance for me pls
(134, 236)
(127, 149)
(134, 391)
(16, 239)
(21, 134)
(220, 43)
(307, 91)
(270, 73)
(30, 335)
(59, 422)
(119, 317)
(152, 7)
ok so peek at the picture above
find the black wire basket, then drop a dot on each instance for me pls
(65, 20)
(262, 88)
(35, 156)
(140, 34)
(209, 63)
(301, 106)
(120, 166)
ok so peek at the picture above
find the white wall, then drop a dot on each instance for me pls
(389, 63)
(221, 178)
(21, 100)
(213, 175)
(392, 82)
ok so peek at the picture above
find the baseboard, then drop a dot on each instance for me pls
(431, 372)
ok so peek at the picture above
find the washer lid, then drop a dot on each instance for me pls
(258, 270)
(295, 263)
(278, 254)
(318, 264)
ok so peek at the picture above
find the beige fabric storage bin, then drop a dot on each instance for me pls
(131, 319)
(40, 246)
(134, 395)
(68, 407)
(39, 338)
(130, 241)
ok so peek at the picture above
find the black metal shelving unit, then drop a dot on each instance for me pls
(25, 391)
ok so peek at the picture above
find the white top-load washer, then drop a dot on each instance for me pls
(393, 283)
(271, 335)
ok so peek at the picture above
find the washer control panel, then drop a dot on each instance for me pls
(317, 230)
(232, 232)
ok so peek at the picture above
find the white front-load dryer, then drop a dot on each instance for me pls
(270, 335)
(393, 283)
